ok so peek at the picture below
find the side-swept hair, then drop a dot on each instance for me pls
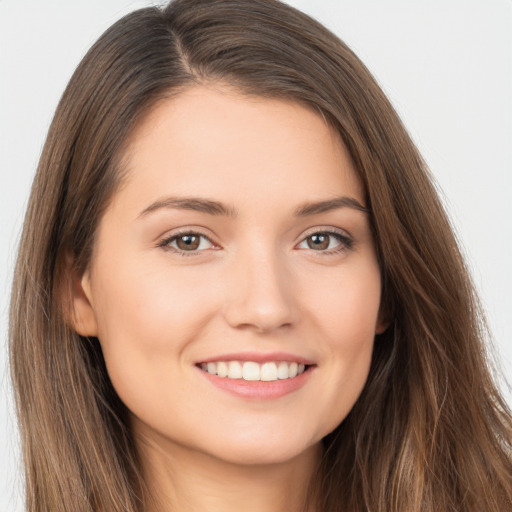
(429, 433)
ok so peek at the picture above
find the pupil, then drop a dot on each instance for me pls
(318, 242)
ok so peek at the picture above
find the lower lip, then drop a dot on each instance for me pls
(259, 390)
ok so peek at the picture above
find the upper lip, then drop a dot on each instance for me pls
(258, 357)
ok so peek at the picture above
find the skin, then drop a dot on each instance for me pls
(254, 284)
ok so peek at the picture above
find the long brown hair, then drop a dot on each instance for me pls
(429, 432)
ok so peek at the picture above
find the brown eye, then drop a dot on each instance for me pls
(188, 242)
(318, 241)
(327, 242)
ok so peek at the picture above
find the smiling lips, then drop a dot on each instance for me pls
(258, 376)
(253, 371)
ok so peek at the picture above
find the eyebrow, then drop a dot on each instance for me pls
(314, 208)
(217, 208)
(191, 203)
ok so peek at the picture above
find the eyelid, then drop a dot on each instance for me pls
(325, 229)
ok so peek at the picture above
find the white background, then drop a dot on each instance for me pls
(445, 64)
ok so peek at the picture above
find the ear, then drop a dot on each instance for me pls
(382, 321)
(81, 316)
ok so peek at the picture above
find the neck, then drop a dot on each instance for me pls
(179, 479)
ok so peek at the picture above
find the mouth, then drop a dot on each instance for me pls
(268, 371)
(257, 376)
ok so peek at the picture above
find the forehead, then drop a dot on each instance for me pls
(214, 141)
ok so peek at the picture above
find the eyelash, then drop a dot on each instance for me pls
(346, 243)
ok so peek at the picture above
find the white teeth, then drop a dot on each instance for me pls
(282, 370)
(234, 370)
(222, 369)
(269, 372)
(251, 371)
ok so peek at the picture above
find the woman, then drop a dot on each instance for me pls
(237, 288)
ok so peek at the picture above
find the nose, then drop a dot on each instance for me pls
(260, 293)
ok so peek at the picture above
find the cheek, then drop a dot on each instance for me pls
(354, 313)
(346, 318)
(146, 319)
(150, 307)
(346, 304)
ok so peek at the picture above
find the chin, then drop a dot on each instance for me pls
(264, 451)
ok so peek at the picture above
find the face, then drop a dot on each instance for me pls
(234, 285)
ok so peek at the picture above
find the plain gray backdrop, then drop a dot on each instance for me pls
(445, 64)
